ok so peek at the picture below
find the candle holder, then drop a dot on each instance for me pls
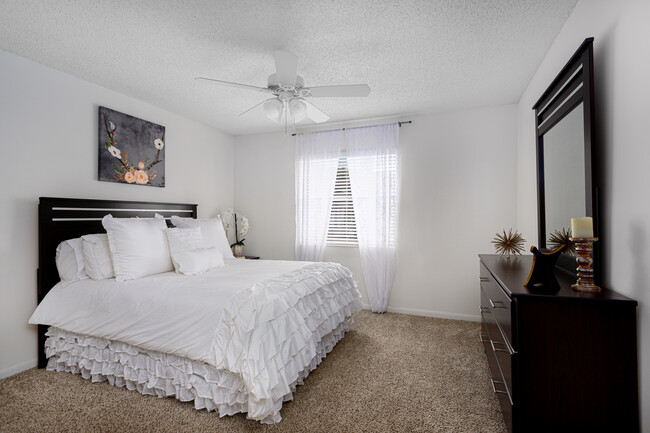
(584, 248)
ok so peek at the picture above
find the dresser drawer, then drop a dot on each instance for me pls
(497, 350)
(499, 385)
(504, 359)
(499, 303)
(488, 320)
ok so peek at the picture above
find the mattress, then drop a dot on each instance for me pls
(253, 330)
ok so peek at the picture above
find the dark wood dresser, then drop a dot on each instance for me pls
(560, 361)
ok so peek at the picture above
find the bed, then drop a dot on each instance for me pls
(235, 339)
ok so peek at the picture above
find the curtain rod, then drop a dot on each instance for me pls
(343, 129)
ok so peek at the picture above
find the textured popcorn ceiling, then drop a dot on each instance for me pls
(417, 56)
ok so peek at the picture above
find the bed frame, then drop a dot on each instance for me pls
(60, 219)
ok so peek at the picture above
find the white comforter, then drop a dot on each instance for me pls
(259, 319)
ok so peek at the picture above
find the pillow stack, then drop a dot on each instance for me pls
(138, 247)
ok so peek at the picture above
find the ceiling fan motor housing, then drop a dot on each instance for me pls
(277, 87)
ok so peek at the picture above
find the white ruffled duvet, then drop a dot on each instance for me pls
(260, 326)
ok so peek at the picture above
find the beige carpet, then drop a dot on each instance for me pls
(391, 373)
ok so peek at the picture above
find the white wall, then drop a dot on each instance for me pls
(622, 100)
(48, 143)
(458, 189)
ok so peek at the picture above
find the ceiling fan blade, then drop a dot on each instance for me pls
(314, 113)
(286, 67)
(339, 91)
(254, 106)
(236, 85)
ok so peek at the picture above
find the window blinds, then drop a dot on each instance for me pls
(342, 229)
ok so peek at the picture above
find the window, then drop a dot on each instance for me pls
(342, 229)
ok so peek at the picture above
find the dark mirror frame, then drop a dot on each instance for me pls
(572, 86)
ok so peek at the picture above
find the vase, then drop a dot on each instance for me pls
(237, 250)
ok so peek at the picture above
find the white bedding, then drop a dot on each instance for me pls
(260, 320)
(167, 312)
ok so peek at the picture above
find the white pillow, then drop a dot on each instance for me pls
(213, 233)
(197, 261)
(97, 256)
(182, 240)
(70, 261)
(138, 246)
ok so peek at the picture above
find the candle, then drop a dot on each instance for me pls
(582, 227)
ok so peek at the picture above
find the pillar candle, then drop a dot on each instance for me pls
(582, 227)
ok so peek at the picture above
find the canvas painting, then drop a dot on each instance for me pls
(131, 150)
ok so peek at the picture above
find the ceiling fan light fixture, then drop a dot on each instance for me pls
(298, 109)
(273, 109)
(291, 100)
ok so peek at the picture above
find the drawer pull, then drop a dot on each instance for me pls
(497, 304)
(484, 279)
(494, 387)
(485, 310)
(494, 349)
(485, 338)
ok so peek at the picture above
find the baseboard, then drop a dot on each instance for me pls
(18, 368)
(428, 313)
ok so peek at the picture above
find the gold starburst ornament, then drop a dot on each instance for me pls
(562, 237)
(509, 243)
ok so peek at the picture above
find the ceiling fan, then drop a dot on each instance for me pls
(290, 98)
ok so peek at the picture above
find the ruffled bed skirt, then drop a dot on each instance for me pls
(164, 375)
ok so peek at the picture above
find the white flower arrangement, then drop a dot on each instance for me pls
(237, 223)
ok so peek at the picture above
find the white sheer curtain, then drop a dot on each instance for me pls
(317, 156)
(373, 163)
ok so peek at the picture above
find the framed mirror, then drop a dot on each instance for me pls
(567, 185)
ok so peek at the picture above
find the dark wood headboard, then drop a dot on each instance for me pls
(60, 219)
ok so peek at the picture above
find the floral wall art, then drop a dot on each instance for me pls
(131, 150)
